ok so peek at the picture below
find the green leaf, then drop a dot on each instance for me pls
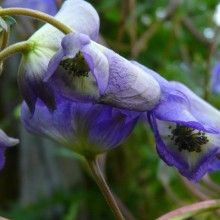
(10, 21)
(3, 25)
(5, 22)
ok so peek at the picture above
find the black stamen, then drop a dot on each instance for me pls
(76, 66)
(186, 138)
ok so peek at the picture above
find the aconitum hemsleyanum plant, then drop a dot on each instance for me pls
(89, 98)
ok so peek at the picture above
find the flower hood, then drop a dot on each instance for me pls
(112, 79)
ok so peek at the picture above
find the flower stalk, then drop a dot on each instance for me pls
(4, 43)
(16, 48)
(38, 15)
(94, 168)
(5, 38)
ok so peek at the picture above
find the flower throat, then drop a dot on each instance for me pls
(186, 138)
(76, 66)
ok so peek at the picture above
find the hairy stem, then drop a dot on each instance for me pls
(94, 167)
(38, 15)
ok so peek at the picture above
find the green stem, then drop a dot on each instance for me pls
(38, 15)
(15, 48)
(5, 38)
(94, 167)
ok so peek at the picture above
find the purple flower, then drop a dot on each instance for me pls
(186, 129)
(81, 77)
(86, 128)
(5, 142)
(78, 15)
(215, 78)
(91, 72)
(47, 6)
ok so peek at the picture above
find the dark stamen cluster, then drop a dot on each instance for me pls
(76, 66)
(186, 138)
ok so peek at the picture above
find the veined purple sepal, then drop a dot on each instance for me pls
(86, 128)
(119, 82)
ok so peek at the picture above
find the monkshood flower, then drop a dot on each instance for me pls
(86, 128)
(5, 142)
(47, 6)
(215, 78)
(186, 129)
(85, 70)
(79, 16)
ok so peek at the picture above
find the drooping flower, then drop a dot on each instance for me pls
(89, 71)
(47, 6)
(78, 15)
(186, 129)
(215, 78)
(86, 128)
(5, 142)
(77, 87)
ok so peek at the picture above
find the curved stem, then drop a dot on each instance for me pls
(191, 210)
(94, 167)
(15, 48)
(38, 15)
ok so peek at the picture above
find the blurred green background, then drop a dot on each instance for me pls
(175, 38)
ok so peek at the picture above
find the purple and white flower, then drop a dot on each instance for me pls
(78, 15)
(88, 87)
(186, 129)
